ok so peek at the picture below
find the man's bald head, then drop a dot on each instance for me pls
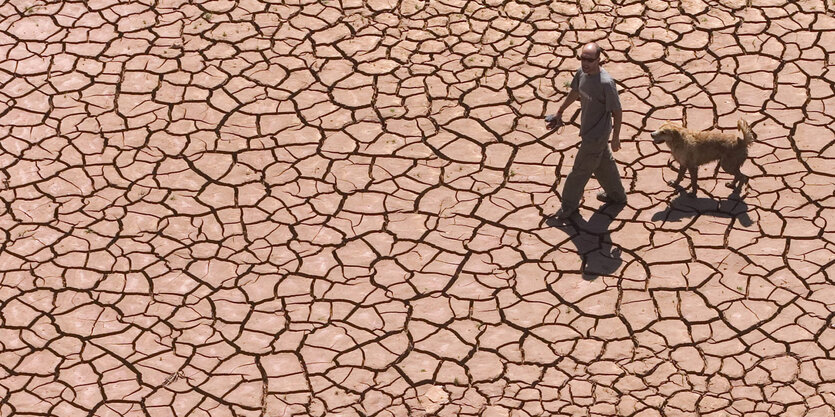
(592, 49)
(590, 58)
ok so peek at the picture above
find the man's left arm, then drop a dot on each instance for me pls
(616, 119)
(613, 105)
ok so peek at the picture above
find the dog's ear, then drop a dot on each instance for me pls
(676, 133)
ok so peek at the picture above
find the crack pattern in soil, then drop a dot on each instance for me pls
(246, 208)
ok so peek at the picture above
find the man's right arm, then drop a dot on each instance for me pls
(572, 97)
(557, 119)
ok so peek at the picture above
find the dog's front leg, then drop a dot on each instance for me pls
(678, 179)
(694, 178)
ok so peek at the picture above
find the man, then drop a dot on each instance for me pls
(599, 106)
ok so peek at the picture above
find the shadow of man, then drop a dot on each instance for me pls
(686, 206)
(593, 241)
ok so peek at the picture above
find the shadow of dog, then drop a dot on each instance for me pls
(687, 206)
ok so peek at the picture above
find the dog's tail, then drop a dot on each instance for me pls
(747, 133)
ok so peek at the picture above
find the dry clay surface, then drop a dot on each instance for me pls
(343, 208)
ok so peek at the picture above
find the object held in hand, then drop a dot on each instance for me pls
(553, 121)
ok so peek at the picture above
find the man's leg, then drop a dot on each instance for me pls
(609, 178)
(585, 164)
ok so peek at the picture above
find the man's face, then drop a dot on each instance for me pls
(590, 62)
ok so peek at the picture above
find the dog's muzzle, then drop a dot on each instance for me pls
(656, 138)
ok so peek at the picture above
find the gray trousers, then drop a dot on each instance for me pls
(594, 157)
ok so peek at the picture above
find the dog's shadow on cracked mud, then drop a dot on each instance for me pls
(593, 241)
(685, 205)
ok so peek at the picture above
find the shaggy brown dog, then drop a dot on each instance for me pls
(691, 149)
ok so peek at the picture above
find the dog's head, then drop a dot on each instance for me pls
(668, 131)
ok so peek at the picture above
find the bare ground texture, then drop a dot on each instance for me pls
(342, 208)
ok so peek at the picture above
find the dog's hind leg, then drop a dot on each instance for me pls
(739, 180)
(733, 168)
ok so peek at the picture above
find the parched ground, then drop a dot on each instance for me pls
(342, 208)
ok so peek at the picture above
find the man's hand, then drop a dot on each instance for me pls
(615, 144)
(553, 121)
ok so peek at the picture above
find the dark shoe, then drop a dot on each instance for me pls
(602, 196)
(563, 215)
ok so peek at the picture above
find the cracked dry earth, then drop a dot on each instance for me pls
(342, 208)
